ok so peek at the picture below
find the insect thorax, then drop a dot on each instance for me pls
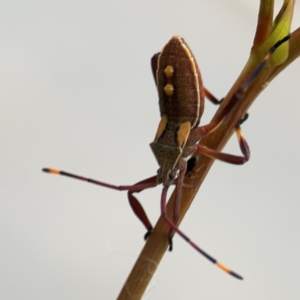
(167, 158)
(168, 148)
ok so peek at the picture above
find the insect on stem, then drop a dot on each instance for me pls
(181, 99)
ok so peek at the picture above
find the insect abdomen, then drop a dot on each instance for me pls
(179, 83)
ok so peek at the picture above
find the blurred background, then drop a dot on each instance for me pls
(77, 94)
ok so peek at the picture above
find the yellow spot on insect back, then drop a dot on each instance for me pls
(169, 89)
(169, 71)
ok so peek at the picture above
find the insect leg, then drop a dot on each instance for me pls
(138, 208)
(211, 97)
(178, 197)
(230, 158)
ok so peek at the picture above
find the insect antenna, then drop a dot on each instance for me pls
(136, 187)
(187, 239)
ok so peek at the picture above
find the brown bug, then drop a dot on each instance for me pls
(181, 101)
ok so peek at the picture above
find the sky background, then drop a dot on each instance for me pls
(77, 93)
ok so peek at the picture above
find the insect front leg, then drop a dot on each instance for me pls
(177, 202)
(138, 208)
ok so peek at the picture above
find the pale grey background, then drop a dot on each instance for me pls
(77, 93)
